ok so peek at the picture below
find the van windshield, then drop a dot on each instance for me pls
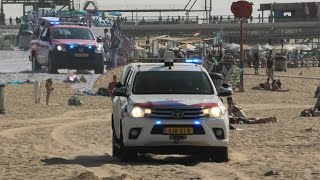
(72, 33)
(175, 82)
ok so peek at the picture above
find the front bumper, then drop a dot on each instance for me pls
(182, 150)
(68, 60)
(148, 139)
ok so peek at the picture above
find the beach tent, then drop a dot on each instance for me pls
(267, 47)
(303, 47)
(285, 47)
(188, 47)
(232, 46)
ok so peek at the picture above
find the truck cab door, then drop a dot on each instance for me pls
(120, 106)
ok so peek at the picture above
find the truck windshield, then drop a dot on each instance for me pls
(72, 33)
(175, 82)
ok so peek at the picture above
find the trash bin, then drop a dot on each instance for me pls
(280, 63)
(25, 38)
(217, 79)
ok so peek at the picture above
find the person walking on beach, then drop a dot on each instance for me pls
(49, 89)
(106, 42)
(256, 63)
(115, 41)
(270, 68)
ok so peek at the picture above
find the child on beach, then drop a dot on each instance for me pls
(37, 91)
(49, 89)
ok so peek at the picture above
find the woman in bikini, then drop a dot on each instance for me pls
(237, 115)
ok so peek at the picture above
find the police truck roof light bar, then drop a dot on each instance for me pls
(193, 61)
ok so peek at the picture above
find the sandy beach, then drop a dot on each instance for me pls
(61, 141)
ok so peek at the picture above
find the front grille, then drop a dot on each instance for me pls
(168, 113)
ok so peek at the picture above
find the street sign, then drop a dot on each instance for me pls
(242, 9)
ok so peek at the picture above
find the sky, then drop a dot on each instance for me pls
(220, 7)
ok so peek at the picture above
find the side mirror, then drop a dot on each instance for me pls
(99, 39)
(119, 92)
(45, 38)
(225, 90)
(119, 85)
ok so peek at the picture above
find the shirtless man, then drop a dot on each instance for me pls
(238, 115)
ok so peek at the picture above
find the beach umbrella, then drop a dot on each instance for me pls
(267, 47)
(257, 47)
(115, 13)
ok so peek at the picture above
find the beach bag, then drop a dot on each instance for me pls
(102, 92)
(74, 101)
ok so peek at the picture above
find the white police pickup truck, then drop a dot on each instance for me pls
(169, 108)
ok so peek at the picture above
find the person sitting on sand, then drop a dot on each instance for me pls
(238, 116)
(279, 83)
(275, 87)
(267, 85)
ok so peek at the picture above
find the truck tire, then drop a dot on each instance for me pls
(100, 69)
(220, 155)
(51, 67)
(34, 64)
(125, 155)
(116, 151)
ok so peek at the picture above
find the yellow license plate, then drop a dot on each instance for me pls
(81, 55)
(178, 130)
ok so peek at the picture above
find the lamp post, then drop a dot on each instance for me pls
(241, 51)
(241, 9)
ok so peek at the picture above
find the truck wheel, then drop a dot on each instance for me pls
(116, 151)
(126, 155)
(35, 66)
(99, 70)
(51, 67)
(219, 155)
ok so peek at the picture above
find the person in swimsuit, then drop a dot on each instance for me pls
(237, 116)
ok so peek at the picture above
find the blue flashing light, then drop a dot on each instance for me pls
(90, 47)
(158, 122)
(54, 22)
(71, 46)
(197, 122)
(193, 60)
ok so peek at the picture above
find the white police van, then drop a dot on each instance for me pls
(168, 108)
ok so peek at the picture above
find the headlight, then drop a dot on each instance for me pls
(215, 112)
(99, 49)
(138, 112)
(59, 48)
